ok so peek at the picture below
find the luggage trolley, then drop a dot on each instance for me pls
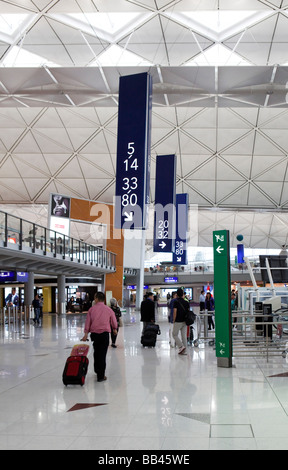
(192, 338)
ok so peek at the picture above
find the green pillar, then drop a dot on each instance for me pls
(222, 297)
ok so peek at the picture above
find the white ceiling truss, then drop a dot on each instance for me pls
(220, 74)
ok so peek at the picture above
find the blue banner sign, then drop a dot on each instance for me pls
(180, 250)
(164, 206)
(7, 276)
(22, 277)
(133, 151)
(171, 280)
(240, 253)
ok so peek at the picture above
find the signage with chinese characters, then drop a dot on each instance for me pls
(222, 297)
(133, 151)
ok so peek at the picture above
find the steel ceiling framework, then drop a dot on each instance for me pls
(219, 102)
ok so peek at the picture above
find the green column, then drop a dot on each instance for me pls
(222, 297)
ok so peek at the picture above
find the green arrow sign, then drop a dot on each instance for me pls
(222, 297)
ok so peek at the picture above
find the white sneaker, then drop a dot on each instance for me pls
(181, 350)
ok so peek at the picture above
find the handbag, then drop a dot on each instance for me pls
(190, 316)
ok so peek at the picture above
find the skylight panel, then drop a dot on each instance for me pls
(18, 57)
(117, 56)
(219, 21)
(217, 55)
(10, 23)
(108, 22)
(219, 24)
(107, 25)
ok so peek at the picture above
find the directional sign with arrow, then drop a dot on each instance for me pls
(222, 297)
(164, 204)
(180, 250)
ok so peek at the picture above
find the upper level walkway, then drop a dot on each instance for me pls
(26, 246)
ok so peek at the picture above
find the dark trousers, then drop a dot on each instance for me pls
(113, 337)
(100, 345)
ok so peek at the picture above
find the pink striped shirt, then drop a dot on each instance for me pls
(100, 318)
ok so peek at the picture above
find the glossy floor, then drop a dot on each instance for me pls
(153, 399)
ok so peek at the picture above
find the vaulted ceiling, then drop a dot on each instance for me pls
(220, 84)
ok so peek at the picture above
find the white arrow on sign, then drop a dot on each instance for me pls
(219, 249)
(162, 245)
(128, 217)
(222, 351)
(179, 258)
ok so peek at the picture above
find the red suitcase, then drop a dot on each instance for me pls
(75, 370)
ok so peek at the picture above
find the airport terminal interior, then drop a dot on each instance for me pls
(219, 104)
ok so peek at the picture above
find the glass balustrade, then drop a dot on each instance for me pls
(25, 234)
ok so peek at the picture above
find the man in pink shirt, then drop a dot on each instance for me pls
(100, 319)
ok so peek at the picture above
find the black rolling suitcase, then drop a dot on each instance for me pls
(149, 336)
(75, 370)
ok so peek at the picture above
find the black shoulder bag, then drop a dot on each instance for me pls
(190, 316)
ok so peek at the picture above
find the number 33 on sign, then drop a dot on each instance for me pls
(130, 184)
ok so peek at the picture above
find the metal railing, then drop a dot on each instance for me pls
(264, 337)
(20, 232)
(16, 317)
(252, 336)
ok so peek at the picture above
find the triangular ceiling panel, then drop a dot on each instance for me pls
(19, 190)
(8, 168)
(63, 186)
(225, 171)
(54, 139)
(70, 170)
(259, 198)
(241, 146)
(88, 167)
(262, 166)
(34, 185)
(31, 165)
(10, 136)
(241, 163)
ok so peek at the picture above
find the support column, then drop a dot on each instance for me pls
(29, 289)
(140, 273)
(61, 307)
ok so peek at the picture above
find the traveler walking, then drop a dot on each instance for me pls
(209, 306)
(100, 319)
(170, 318)
(117, 311)
(36, 306)
(147, 309)
(180, 309)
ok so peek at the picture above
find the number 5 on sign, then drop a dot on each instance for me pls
(133, 151)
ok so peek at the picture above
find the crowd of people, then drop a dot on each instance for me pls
(103, 321)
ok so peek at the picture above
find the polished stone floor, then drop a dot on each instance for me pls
(153, 399)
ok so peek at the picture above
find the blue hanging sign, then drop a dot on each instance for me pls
(171, 280)
(164, 206)
(180, 250)
(133, 151)
(240, 253)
